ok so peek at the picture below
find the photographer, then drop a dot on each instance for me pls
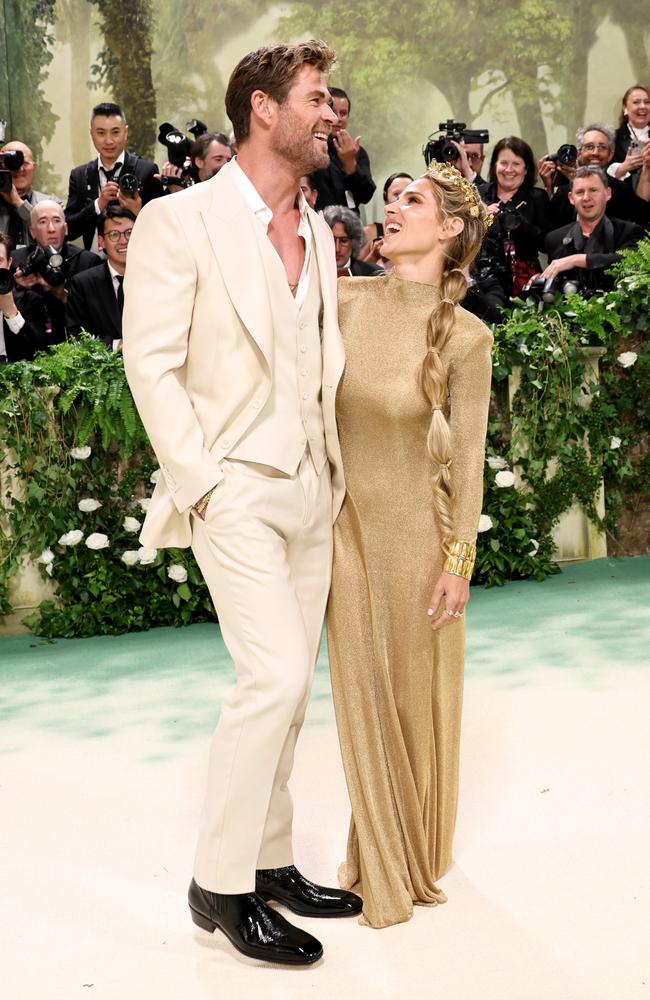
(208, 154)
(22, 327)
(583, 250)
(347, 180)
(116, 175)
(595, 147)
(632, 135)
(45, 269)
(17, 201)
(521, 214)
(96, 297)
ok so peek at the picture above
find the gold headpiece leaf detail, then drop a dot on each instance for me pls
(451, 174)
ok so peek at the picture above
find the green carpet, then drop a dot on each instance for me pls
(593, 618)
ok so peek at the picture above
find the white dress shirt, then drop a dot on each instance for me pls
(262, 212)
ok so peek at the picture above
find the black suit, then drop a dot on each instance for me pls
(74, 262)
(22, 346)
(83, 191)
(602, 248)
(332, 182)
(92, 305)
(364, 268)
(623, 204)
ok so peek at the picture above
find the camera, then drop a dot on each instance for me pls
(178, 146)
(128, 185)
(6, 280)
(566, 155)
(10, 161)
(442, 148)
(545, 289)
(509, 215)
(47, 262)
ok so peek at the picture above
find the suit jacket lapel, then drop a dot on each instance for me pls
(230, 226)
(109, 302)
(333, 353)
(92, 180)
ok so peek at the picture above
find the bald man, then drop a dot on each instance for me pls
(48, 229)
(16, 205)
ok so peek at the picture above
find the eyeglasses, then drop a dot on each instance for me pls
(114, 235)
(475, 156)
(343, 240)
(590, 147)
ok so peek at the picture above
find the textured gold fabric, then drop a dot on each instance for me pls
(397, 685)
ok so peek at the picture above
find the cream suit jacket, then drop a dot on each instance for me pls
(198, 342)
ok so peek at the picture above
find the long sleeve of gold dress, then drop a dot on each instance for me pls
(397, 685)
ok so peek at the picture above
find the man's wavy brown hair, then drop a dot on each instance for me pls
(271, 69)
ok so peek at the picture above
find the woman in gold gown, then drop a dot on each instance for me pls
(412, 410)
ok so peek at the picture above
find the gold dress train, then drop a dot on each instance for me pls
(397, 685)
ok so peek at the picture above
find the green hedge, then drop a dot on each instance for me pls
(69, 433)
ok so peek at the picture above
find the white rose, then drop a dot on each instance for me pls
(88, 504)
(155, 476)
(505, 478)
(627, 358)
(143, 504)
(71, 537)
(177, 573)
(97, 541)
(496, 462)
(131, 557)
(147, 556)
(49, 568)
(131, 524)
(615, 443)
(535, 544)
(46, 557)
(80, 452)
(484, 522)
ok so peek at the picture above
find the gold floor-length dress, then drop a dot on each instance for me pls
(397, 685)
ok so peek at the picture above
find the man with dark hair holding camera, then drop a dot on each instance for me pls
(347, 180)
(17, 201)
(96, 297)
(594, 147)
(116, 175)
(209, 153)
(22, 322)
(46, 268)
(583, 250)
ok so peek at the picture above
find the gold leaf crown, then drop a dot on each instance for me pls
(447, 172)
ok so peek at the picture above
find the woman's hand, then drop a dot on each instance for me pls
(454, 592)
(632, 161)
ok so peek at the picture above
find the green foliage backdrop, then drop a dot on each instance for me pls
(523, 68)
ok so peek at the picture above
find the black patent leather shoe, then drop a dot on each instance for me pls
(253, 927)
(288, 886)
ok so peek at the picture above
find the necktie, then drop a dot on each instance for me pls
(120, 292)
(110, 174)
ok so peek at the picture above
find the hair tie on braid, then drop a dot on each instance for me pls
(433, 350)
(448, 301)
(434, 408)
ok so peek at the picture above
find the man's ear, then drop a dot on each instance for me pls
(100, 242)
(263, 106)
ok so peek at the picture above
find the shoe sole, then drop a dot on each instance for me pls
(314, 912)
(209, 925)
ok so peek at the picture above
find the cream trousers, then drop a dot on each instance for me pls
(265, 550)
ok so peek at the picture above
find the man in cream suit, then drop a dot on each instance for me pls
(233, 353)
